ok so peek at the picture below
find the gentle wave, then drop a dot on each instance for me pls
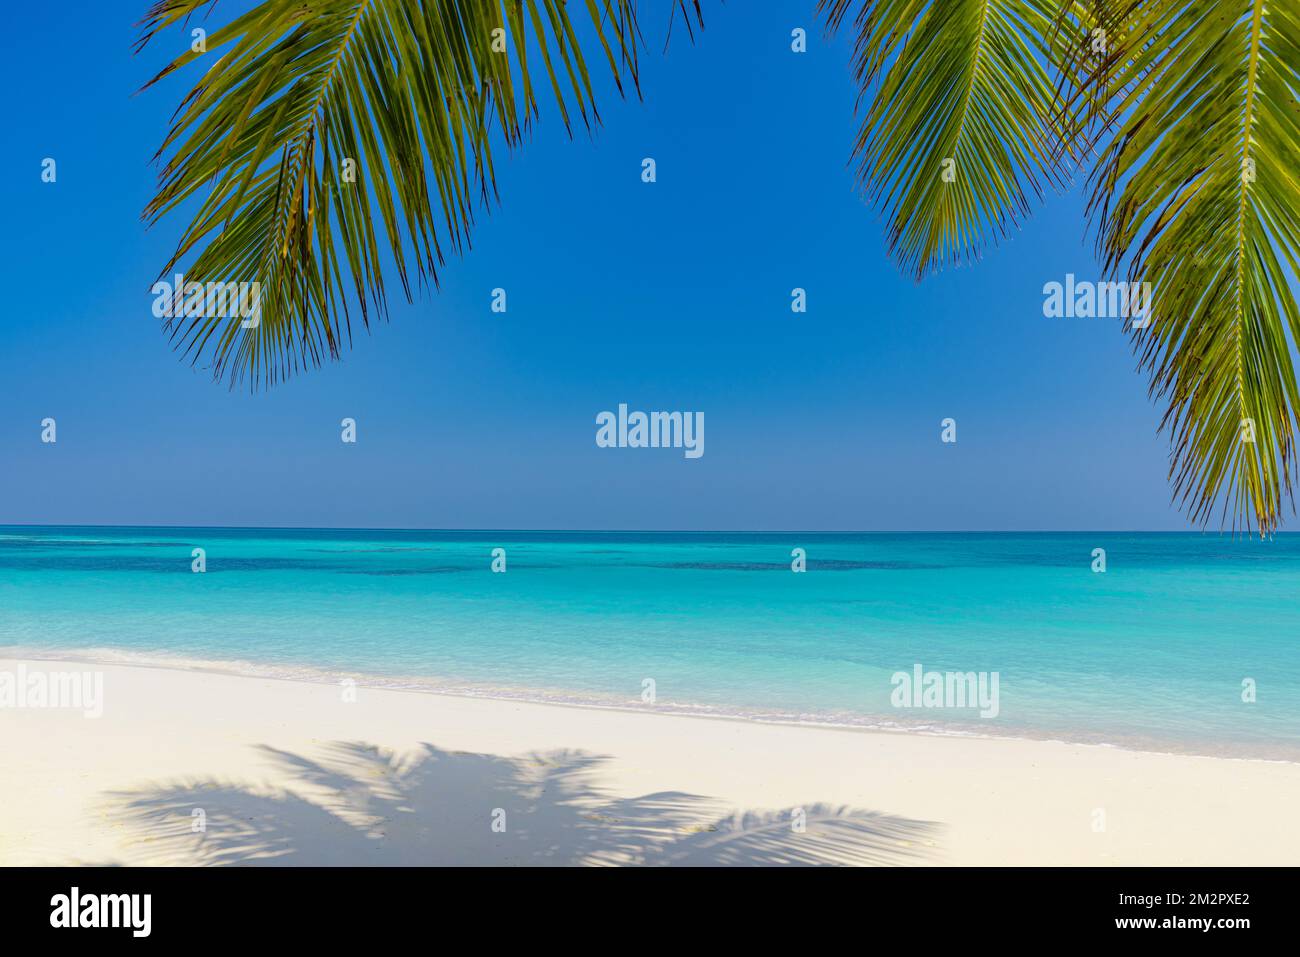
(441, 686)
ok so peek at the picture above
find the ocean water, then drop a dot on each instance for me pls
(1151, 654)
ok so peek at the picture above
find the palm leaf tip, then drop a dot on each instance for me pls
(960, 132)
(336, 142)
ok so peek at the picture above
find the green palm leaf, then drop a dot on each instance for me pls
(1192, 110)
(329, 134)
(960, 127)
(1198, 192)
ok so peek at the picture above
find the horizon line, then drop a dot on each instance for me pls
(661, 531)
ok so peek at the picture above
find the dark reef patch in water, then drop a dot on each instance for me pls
(814, 564)
(52, 544)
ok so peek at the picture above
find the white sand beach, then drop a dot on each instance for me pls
(188, 767)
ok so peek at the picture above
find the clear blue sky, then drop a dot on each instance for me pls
(666, 296)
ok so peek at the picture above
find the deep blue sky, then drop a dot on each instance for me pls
(666, 296)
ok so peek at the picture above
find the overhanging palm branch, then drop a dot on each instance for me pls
(1192, 108)
(958, 131)
(1197, 191)
(330, 134)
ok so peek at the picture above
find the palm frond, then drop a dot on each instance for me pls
(329, 135)
(959, 129)
(1198, 193)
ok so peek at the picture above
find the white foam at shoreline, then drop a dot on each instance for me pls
(443, 686)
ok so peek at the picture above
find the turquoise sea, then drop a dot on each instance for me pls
(1152, 653)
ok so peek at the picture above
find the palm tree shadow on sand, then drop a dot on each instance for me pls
(358, 805)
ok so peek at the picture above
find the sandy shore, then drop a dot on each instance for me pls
(196, 768)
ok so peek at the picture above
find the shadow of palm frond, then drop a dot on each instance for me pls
(825, 835)
(356, 804)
